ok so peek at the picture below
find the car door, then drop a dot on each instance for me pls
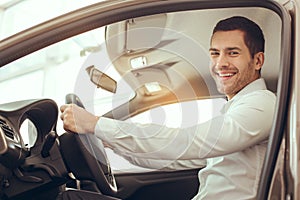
(159, 54)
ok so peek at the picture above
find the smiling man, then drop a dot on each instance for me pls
(236, 62)
(234, 143)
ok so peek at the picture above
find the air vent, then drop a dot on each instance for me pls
(7, 129)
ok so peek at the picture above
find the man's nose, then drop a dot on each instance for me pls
(222, 61)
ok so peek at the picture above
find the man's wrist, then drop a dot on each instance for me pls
(96, 123)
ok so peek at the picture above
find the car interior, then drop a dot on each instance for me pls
(141, 66)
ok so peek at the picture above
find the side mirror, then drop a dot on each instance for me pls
(101, 80)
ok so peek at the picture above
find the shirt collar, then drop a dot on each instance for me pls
(258, 84)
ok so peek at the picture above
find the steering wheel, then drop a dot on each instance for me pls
(85, 156)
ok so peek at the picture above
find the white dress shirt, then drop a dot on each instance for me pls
(233, 143)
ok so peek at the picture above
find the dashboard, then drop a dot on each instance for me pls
(30, 158)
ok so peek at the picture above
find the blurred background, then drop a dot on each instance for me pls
(17, 15)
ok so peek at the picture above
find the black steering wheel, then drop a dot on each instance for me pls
(85, 157)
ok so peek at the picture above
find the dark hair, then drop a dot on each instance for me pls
(254, 37)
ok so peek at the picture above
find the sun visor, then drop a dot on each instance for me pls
(134, 35)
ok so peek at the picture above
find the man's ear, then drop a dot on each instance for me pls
(259, 59)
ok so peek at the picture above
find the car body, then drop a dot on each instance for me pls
(129, 60)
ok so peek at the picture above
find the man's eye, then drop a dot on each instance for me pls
(233, 53)
(214, 53)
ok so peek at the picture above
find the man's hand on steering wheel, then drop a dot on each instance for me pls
(90, 162)
(76, 119)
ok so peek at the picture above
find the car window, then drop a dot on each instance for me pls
(56, 65)
(61, 68)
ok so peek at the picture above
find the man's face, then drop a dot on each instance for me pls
(232, 66)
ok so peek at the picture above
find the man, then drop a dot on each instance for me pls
(233, 143)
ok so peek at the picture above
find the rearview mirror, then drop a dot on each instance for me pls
(101, 80)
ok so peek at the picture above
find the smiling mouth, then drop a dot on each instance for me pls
(226, 75)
